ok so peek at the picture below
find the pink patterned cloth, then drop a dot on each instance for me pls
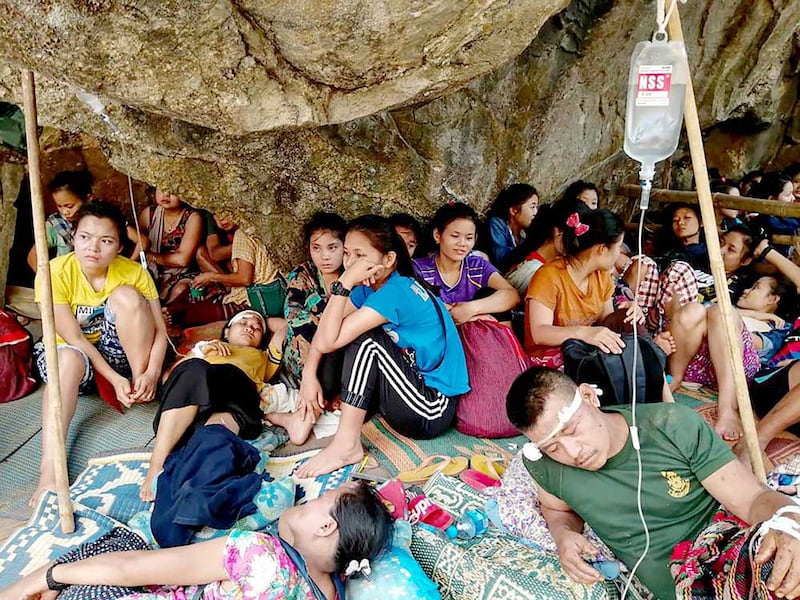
(701, 370)
(258, 569)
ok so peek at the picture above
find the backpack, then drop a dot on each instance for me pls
(15, 359)
(612, 373)
(494, 359)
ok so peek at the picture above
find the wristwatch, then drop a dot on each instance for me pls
(338, 289)
(52, 584)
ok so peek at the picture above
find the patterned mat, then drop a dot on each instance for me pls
(399, 453)
(106, 495)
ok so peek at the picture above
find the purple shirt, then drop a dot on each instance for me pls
(475, 274)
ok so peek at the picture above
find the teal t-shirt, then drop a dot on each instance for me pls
(679, 450)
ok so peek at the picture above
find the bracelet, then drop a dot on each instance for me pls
(52, 584)
(766, 251)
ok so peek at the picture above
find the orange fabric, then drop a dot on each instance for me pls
(553, 286)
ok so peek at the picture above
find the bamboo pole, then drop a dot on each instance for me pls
(767, 207)
(46, 305)
(700, 168)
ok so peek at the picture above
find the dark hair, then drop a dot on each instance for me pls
(365, 526)
(509, 197)
(449, 213)
(576, 187)
(77, 182)
(604, 227)
(102, 209)
(223, 336)
(324, 221)
(550, 216)
(384, 239)
(792, 170)
(722, 186)
(407, 221)
(750, 240)
(528, 394)
(770, 186)
(787, 297)
(751, 176)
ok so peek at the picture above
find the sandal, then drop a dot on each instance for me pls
(431, 466)
(491, 467)
(393, 495)
(422, 509)
(478, 479)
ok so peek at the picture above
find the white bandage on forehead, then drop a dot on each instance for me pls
(532, 450)
(248, 313)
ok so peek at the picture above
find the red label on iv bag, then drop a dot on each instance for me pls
(653, 84)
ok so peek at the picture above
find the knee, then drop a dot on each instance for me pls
(203, 254)
(691, 316)
(70, 363)
(126, 299)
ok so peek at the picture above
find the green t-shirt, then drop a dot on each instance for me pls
(679, 450)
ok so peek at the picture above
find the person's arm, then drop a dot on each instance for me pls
(762, 316)
(544, 333)
(738, 490)
(144, 385)
(242, 276)
(566, 528)
(184, 255)
(195, 564)
(340, 322)
(218, 252)
(32, 260)
(140, 241)
(789, 270)
(505, 297)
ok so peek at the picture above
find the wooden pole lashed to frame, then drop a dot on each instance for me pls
(733, 341)
(53, 404)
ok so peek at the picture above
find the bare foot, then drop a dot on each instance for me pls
(728, 425)
(167, 316)
(666, 342)
(296, 426)
(146, 491)
(339, 453)
(45, 485)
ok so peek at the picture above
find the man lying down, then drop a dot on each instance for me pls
(584, 464)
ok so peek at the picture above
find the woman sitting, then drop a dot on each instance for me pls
(307, 293)
(543, 242)
(402, 354)
(408, 228)
(582, 191)
(459, 275)
(568, 296)
(108, 321)
(223, 376)
(251, 265)
(510, 214)
(175, 231)
(214, 255)
(313, 547)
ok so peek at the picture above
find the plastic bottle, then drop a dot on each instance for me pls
(610, 569)
(473, 523)
(656, 93)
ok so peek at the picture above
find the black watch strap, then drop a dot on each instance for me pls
(52, 584)
(338, 289)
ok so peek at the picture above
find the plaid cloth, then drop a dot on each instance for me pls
(719, 565)
(677, 280)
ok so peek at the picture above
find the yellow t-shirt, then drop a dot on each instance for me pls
(71, 287)
(257, 364)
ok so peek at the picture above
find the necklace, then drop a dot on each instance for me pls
(170, 226)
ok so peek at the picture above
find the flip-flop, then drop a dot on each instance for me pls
(432, 465)
(492, 467)
(393, 495)
(478, 480)
(422, 509)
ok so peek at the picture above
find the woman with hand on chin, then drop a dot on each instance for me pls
(402, 354)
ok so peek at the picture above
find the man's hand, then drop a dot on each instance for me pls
(572, 547)
(202, 279)
(785, 577)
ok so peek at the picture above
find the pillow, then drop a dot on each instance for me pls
(192, 335)
(395, 574)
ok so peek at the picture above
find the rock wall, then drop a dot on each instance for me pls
(552, 114)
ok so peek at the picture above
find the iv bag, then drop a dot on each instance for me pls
(656, 93)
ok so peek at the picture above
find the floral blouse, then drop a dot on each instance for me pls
(306, 297)
(258, 567)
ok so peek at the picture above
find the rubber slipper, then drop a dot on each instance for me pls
(493, 467)
(393, 495)
(478, 480)
(431, 466)
(422, 509)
